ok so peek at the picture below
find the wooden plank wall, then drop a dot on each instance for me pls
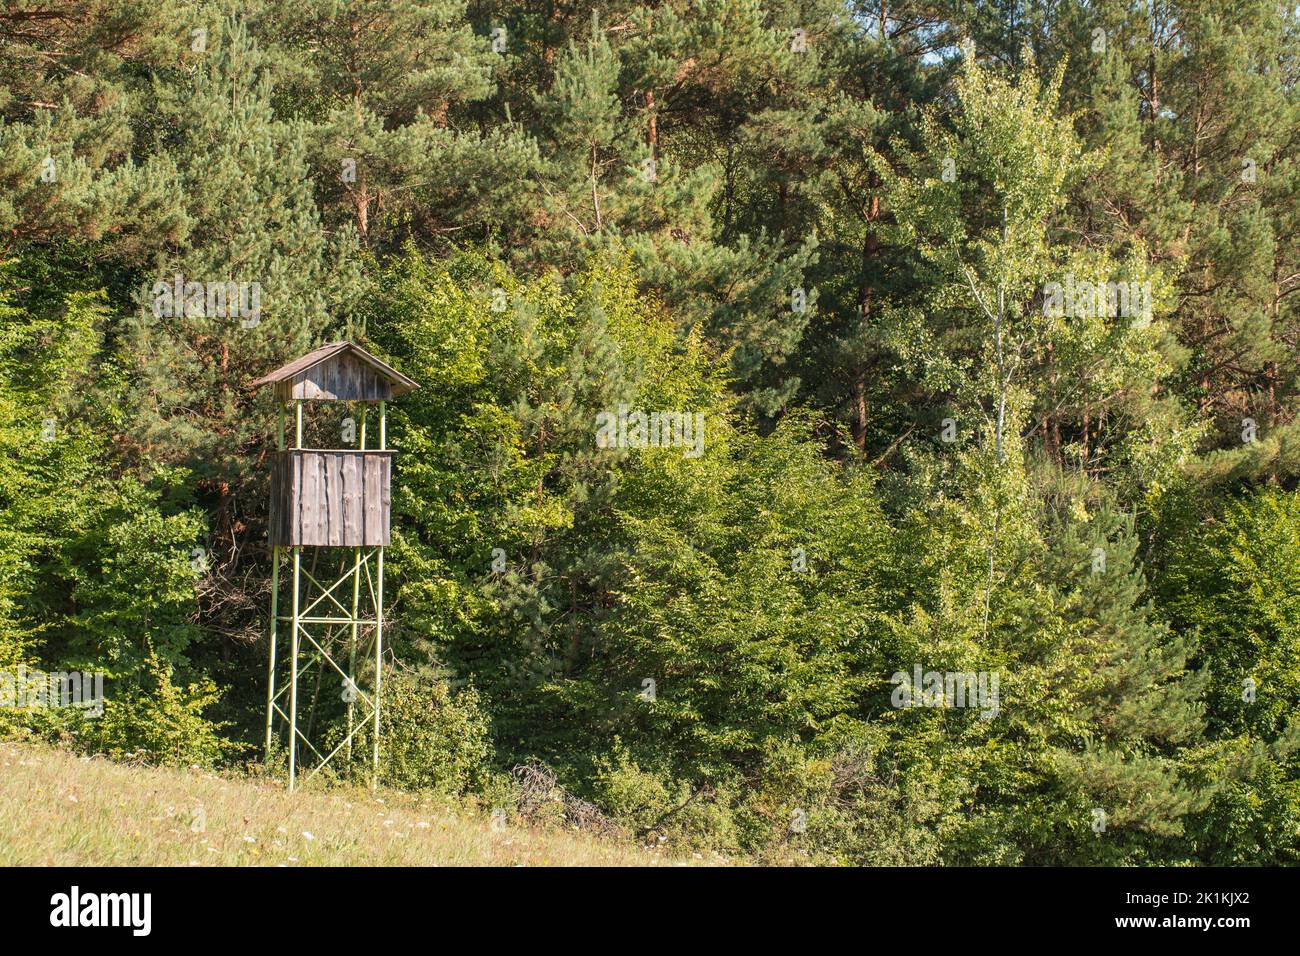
(343, 378)
(331, 498)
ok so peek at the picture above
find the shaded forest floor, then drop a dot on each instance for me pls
(60, 809)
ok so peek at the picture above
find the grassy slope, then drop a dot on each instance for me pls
(56, 808)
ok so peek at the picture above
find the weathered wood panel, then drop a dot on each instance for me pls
(331, 497)
(342, 377)
(350, 495)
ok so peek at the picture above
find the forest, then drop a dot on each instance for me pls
(851, 432)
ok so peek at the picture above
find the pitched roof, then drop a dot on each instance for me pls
(401, 384)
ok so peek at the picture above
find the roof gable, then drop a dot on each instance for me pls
(340, 371)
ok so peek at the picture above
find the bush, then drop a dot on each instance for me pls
(158, 722)
(860, 799)
(659, 810)
(432, 739)
(1235, 579)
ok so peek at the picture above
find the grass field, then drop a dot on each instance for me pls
(60, 809)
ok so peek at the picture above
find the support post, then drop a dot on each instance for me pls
(293, 667)
(356, 602)
(379, 610)
(275, 607)
(275, 620)
(379, 658)
(352, 646)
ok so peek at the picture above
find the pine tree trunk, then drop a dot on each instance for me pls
(652, 125)
(1154, 101)
(870, 250)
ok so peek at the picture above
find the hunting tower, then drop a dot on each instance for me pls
(335, 502)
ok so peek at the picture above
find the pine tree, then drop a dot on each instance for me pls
(260, 283)
(68, 81)
(388, 90)
(1191, 105)
(624, 104)
(1131, 702)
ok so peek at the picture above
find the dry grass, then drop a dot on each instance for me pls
(60, 809)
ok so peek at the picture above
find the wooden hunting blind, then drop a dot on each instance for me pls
(332, 497)
(337, 499)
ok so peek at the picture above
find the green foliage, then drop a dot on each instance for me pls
(431, 738)
(862, 799)
(846, 249)
(657, 810)
(1234, 580)
(157, 721)
(748, 600)
(133, 573)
